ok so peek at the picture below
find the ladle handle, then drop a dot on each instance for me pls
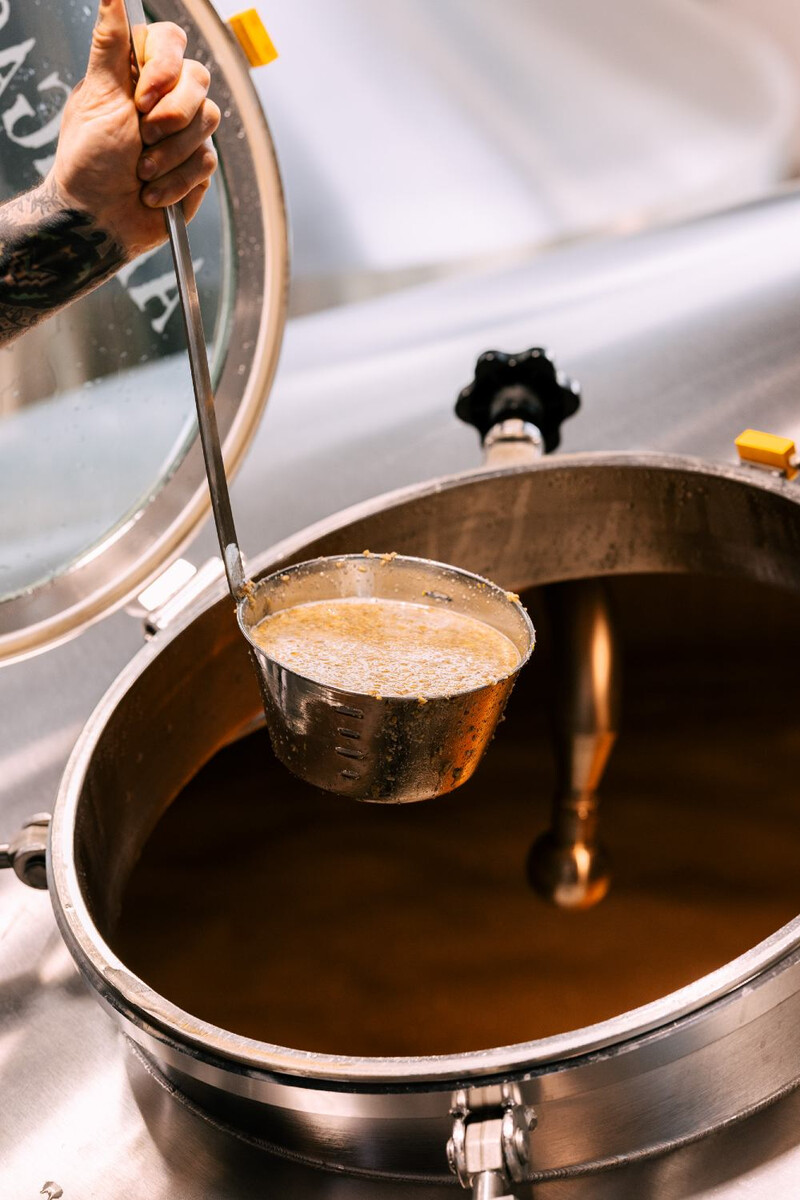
(204, 400)
(198, 362)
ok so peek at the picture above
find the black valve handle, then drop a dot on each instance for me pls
(527, 386)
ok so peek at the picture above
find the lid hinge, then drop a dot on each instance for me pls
(489, 1149)
(26, 853)
(179, 589)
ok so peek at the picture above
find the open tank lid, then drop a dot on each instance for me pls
(102, 480)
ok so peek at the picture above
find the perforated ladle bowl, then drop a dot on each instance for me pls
(388, 749)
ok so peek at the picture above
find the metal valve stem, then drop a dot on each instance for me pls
(568, 865)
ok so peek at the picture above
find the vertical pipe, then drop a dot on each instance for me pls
(568, 865)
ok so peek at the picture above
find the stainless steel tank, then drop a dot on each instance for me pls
(637, 1085)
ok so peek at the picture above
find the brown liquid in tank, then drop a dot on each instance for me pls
(296, 917)
(387, 647)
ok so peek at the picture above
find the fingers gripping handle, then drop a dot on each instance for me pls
(137, 22)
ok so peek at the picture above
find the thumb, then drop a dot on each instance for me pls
(110, 55)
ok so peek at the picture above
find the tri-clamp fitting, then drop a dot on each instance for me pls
(489, 1149)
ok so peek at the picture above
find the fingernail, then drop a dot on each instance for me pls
(152, 196)
(147, 168)
(147, 100)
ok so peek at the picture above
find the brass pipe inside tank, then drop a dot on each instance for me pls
(568, 864)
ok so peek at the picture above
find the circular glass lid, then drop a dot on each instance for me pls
(101, 474)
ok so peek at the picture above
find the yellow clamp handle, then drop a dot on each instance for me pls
(249, 30)
(769, 451)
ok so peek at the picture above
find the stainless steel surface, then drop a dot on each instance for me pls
(490, 1187)
(79, 1109)
(121, 561)
(504, 108)
(568, 864)
(389, 749)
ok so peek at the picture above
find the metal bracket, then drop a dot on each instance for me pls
(489, 1149)
(161, 607)
(768, 452)
(26, 853)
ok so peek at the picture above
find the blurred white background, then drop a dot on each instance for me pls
(777, 22)
(419, 137)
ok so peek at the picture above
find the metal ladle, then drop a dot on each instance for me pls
(386, 749)
(390, 749)
(198, 362)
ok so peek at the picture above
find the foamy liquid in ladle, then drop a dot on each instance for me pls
(387, 647)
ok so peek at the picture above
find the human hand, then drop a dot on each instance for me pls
(124, 154)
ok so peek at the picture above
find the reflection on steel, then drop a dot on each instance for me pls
(568, 864)
(398, 749)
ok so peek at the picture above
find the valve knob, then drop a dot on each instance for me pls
(526, 386)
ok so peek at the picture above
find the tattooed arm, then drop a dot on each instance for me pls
(49, 255)
(123, 155)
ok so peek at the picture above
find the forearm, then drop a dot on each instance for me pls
(50, 254)
(123, 156)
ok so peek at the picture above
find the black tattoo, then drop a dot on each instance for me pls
(49, 255)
